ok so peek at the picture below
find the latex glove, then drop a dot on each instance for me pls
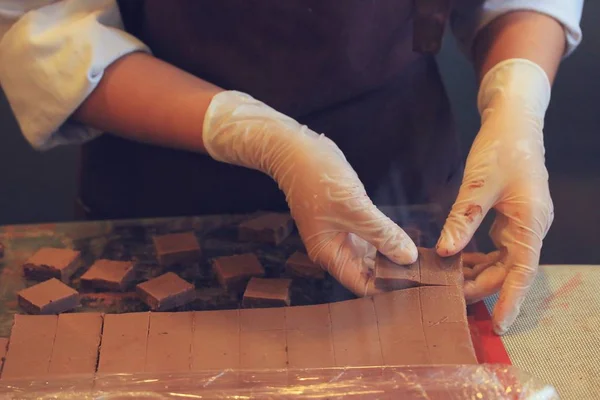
(340, 226)
(505, 171)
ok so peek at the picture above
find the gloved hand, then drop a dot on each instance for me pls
(340, 226)
(505, 171)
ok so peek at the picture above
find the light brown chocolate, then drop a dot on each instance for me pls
(177, 248)
(262, 319)
(271, 228)
(49, 297)
(166, 292)
(309, 337)
(109, 275)
(124, 342)
(299, 265)
(50, 262)
(440, 271)
(216, 341)
(30, 348)
(169, 342)
(267, 293)
(234, 272)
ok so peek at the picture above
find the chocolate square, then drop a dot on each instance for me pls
(300, 266)
(234, 272)
(49, 297)
(267, 293)
(272, 228)
(166, 292)
(49, 263)
(440, 271)
(176, 248)
(109, 275)
(392, 276)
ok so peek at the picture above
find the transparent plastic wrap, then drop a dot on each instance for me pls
(418, 382)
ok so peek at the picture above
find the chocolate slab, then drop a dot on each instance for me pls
(49, 263)
(300, 266)
(267, 293)
(76, 344)
(3, 348)
(436, 270)
(216, 341)
(308, 317)
(272, 228)
(445, 325)
(30, 348)
(177, 248)
(309, 337)
(262, 319)
(234, 272)
(355, 334)
(401, 327)
(49, 297)
(166, 292)
(169, 342)
(109, 275)
(124, 342)
(392, 276)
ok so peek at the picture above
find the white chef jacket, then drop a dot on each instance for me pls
(53, 53)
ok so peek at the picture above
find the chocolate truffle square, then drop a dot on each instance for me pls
(49, 263)
(272, 228)
(234, 272)
(49, 297)
(176, 248)
(166, 292)
(267, 293)
(300, 266)
(109, 275)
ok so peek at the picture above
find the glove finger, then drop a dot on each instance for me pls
(486, 283)
(471, 259)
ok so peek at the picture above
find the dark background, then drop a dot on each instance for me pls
(40, 187)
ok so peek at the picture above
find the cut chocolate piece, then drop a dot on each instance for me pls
(49, 263)
(216, 343)
(262, 338)
(262, 319)
(124, 342)
(441, 271)
(109, 275)
(49, 297)
(392, 276)
(272, 228)
(234, 272)
(309, 338)
(166, 292)
(300, 266)
(30, 347)
(169, 342)
(267, 293)
(76, 344)
(177, 248)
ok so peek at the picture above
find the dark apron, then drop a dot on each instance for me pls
(346, 70)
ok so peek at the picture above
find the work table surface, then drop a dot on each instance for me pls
(556, 338)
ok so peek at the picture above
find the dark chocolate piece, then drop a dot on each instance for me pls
(124, 342)
(436, 270)
(76, 344)
(234, 272)
(392, 276)
(355, 333)
(49, 263)
(30, 347)
(267, 293)
(49, 297)
(216, 342)
(272, 228)
(169, 342)
(166, 292)
(429, 23)
(177, 248)
(300, 266)
(109, 275)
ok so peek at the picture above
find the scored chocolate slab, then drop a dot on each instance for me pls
(299, 265)
(309, 337)
(271, 228)
(392, 276)
(166, 292)
(30, 347)
(262, 338)
(109, 275)
(270, 292)
(216, 341)
(234, 272)
(124, 342)
(169, 342)
(49, 297)
(50, 262)
(177, 248)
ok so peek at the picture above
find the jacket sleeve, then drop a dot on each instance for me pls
(52, 56)
(471, 16)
